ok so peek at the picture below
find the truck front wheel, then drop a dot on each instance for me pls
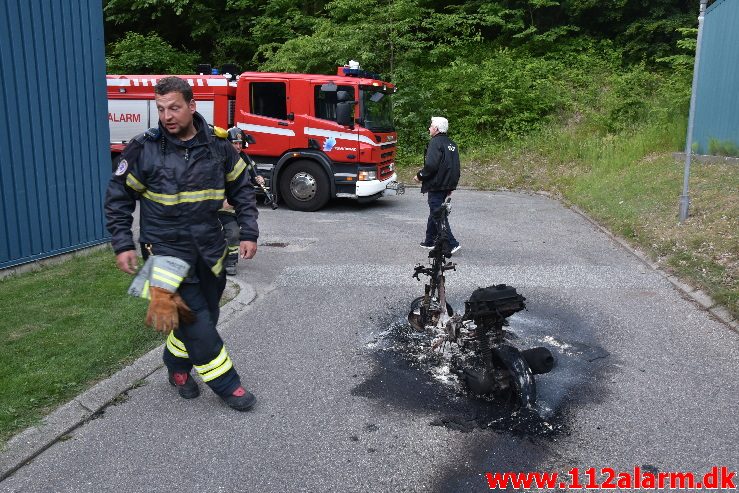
(304, 186)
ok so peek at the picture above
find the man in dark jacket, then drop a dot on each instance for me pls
(180, 173)
(439, 177)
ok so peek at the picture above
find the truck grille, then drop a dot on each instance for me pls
(387, 160)
(386, 171)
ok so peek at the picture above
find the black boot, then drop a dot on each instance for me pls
(241, 399)
(186, 385)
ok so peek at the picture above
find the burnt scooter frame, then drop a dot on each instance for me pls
(505, 373)
(432, 307)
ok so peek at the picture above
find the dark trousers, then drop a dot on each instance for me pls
(199, 344)
(435, 199)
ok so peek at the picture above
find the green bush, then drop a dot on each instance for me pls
(150, 54)
(487, 94)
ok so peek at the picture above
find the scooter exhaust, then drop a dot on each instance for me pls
(539, 359)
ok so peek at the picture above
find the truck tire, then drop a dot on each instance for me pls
(304, 186)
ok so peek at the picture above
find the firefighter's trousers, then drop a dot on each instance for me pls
(198, 344)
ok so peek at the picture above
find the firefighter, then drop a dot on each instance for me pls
(227, 214)
(238, 141)
(181, 172)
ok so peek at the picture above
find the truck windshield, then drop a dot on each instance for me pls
(377, 111)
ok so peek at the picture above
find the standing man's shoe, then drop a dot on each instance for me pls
(456, 248)
(427, 246)
(241, 399)
(186, 385)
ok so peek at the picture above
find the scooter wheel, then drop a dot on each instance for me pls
(521, 391)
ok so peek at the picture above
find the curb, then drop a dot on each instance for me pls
(28, 444)
(690, 292)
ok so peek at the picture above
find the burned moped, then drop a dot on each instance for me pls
(491, 365)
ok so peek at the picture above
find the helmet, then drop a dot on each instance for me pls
(235, 134)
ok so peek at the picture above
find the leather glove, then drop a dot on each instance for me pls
(186, 315)
(162, 313)
(158, 280)
(167, 310)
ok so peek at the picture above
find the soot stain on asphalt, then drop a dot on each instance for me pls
(412, 376)
(419, 382)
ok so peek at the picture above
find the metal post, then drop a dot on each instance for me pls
(685, 198)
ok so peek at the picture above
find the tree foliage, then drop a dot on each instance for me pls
(150, 54)
(496, 68)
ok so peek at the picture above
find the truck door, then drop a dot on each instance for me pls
(268, 118)
(340, 143)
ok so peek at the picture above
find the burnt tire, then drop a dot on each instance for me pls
(415, 319)
(521, 392)
(304, 186)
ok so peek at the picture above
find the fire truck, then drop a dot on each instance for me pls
(313, 137)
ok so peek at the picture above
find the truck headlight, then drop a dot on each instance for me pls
(367, 175)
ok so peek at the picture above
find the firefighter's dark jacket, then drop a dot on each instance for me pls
(441, 165)
(180, 190)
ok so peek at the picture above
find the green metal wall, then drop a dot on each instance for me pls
(54, 157)
(717, 97)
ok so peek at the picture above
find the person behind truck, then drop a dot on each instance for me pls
(439, 177)
(181, 172)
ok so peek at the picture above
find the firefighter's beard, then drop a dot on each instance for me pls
(182, 132)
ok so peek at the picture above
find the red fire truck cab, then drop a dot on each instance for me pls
(316, 136)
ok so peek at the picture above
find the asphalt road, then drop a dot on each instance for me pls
(644, 377)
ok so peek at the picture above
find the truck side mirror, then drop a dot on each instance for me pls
(345, 113)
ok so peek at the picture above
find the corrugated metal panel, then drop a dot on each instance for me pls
(54, 158)
(717, 97)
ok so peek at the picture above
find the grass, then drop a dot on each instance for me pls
(64, 328)
(630, 183)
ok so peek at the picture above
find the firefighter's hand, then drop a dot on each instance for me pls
(415, 178)
(247, 249)
(260, 180)
(127, 261)
(162, 312)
